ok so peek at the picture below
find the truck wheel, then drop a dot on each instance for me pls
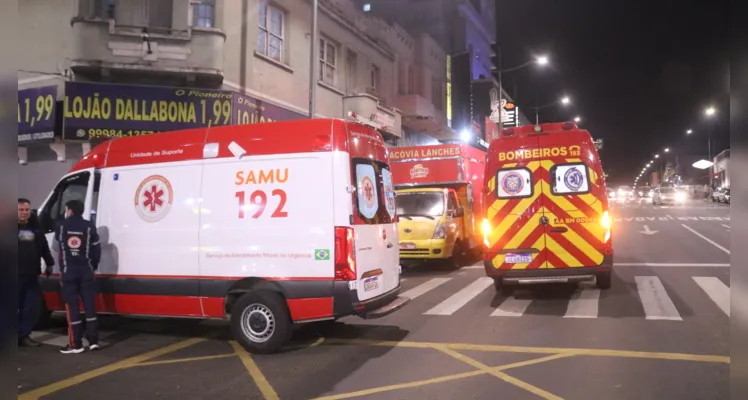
(604, 280)
(459, 255)
(41, 314)
(260, 322)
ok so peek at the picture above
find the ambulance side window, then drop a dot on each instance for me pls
(73, 187)
(514, 183)
(571, 178)
(374, 196)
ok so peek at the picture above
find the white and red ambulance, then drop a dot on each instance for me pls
(266, 225)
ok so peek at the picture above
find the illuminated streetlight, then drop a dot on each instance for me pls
(565, 100)
(542, 60)
(688, 132)
(657, 156)
(577, 119)
(667, 150)
(710, 111)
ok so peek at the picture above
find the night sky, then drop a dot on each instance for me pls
(639, 73)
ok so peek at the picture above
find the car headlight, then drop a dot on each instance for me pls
(440, 232)
(680, 196)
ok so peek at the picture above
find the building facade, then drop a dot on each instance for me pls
(721, 169)
(174, 64)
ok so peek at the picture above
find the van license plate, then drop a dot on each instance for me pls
(407, 246)
(371, 283)
(517, 258)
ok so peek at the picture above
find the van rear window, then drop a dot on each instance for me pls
(514, 183)
(570, 179)
(375, 193)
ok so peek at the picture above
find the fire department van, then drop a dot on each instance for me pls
(439, 202)
(266, 225)
(547, 217)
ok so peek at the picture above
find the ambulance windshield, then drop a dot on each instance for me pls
(422, 204)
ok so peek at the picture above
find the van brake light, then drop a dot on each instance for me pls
(345, 254)
(486, 228)
(605, 222)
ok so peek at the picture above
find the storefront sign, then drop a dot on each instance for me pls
(248, 110)
(36, 114)
(103, 111)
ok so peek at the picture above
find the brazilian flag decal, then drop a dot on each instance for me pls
(322, 254)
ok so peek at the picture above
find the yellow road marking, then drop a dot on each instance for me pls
(182, 360)
(254, 371)
(540, 350)
(65, 383)
(441, 379)
(497, 373)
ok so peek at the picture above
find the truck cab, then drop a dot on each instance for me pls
(438, 203)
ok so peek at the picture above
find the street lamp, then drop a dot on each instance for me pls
(577, 119)
(710, 111)
(542, 60)
(657, 156)
(565, 100)
(667, 150)
(690, 131)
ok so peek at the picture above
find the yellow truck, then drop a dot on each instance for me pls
(439, 203)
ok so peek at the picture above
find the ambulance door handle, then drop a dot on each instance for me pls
(389, 245)
(559, 229)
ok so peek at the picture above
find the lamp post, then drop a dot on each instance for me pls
(313, 63)
(710, 111)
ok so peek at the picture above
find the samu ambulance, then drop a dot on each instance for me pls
(266, 225)
(547, 216)
(439, 202)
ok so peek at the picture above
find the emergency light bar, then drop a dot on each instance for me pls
(366, 121)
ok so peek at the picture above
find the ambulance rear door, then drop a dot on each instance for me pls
(575, 234)
(514, 205)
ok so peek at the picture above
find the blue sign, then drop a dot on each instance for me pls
(36, 114)
(104, 111)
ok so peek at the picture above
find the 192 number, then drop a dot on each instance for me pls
(258, 201)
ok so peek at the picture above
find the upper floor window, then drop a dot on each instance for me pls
(104, 9)
(375, 77)
(270, 33)
(203, 13)
(327, 61)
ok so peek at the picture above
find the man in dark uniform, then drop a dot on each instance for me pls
(32, 248)
(80, 252)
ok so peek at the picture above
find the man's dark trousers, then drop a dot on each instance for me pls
(78, 280)
(28, 300)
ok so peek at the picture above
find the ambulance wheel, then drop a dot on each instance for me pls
(261, 322)
(604, 280)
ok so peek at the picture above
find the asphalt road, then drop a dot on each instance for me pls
(661, 331)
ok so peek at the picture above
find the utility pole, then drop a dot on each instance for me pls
(313, 63)
(496, 60)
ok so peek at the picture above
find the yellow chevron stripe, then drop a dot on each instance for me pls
(510, 219)
(523, 233)
(559, 251)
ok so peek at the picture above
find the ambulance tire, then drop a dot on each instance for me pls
(261, 311)
(603, 280)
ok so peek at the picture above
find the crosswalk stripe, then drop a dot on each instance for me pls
(459, 299)
(583, 304)
(716, 290)
(511, 307)
(425, 287)
(655, 300)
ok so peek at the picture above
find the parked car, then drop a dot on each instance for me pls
(668, 195)
(717, 194)
(724, 197)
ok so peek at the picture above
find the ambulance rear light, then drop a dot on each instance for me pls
(606, 222)
(345, 254)
(486, 229)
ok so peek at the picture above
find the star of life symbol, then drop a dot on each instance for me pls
(368, 189)
(153, 198)
(74, 242)
(573, 179)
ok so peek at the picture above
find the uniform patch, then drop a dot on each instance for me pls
(573, 179)
(153, 198)
(512, 183)
(74, 242)
(321, 254)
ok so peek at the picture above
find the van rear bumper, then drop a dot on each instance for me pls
(346, 302)
(550, 275)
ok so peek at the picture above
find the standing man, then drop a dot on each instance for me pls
(80, 252)
(32, 248)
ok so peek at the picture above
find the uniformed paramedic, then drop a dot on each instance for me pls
(80, 252)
